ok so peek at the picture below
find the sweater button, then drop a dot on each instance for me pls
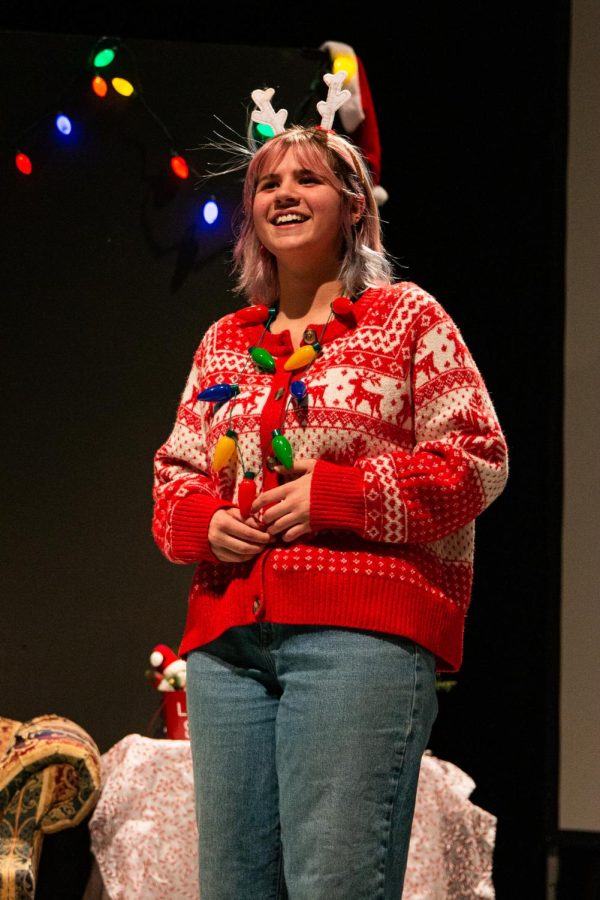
(272, 461)
(310, 335)
(256, 605)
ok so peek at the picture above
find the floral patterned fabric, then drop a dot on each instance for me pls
(145, 840)
(49, 780)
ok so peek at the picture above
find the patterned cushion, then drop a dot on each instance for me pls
(49, 780)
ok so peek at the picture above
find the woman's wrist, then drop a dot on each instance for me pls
(337, 497)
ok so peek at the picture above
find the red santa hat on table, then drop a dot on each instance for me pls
(162, 656)
(170, 666)
(357, 115)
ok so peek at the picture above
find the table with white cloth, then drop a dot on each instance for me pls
(144, 837)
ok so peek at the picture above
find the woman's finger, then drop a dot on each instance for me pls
(243, 531)
(274, 495)
(229, 557)
(233, 541)
(275, 512)
(283, 523)
(234, 513)
(237, 548)
(298, 515)
(293, 533)
(300, 467)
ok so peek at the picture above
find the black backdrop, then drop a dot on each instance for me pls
(109, 283)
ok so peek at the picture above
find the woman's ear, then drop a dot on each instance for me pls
(358, 208)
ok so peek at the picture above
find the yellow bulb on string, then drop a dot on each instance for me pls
(122, 86)
(345, 64)
(224, 450)
(302, 357)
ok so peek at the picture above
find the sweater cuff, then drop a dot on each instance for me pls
(189, 527)
(337, 498)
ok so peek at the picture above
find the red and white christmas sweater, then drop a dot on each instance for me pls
(409, 452)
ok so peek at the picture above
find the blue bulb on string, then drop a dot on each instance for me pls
(63, 123)
(210, 212)
(219, 392)
(298, 389)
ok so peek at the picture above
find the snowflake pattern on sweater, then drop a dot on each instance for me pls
(409, 453)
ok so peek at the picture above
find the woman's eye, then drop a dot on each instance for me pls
(266, 184)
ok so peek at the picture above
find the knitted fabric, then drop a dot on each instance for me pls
(409, 452)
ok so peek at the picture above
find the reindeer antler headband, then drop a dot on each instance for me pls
(336, 97)
(264, 114)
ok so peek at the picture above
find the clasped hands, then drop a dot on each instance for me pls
(234, 539)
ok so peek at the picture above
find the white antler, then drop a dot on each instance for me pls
(336, 97)
(265, 114)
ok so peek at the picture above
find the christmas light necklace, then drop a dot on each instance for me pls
(223, 392)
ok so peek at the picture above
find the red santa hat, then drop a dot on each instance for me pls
(162, 657)
(358, 113)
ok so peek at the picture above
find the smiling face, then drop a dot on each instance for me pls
(340, 210)
(297, 212)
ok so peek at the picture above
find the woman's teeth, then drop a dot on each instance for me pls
(289, 217)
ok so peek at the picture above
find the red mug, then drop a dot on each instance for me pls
(175, 715)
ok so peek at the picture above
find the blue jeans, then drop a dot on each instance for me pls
(307, 744)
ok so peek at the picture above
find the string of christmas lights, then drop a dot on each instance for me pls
(111, 68)
(111, 65)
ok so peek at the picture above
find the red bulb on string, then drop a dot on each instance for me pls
(99, 86)
(23, 163)
(342, 306)
(246, 494)
(179, 166)
(251, 315)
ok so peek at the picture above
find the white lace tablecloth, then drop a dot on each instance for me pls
(144, 836)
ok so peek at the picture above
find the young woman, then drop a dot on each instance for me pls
(321, 609)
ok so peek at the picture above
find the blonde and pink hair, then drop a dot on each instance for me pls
(364, 262)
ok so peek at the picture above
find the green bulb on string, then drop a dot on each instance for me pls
(104, 57)
(262, 358)
(262, 132)
(282, 449)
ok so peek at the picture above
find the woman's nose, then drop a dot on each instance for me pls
(286, 192)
